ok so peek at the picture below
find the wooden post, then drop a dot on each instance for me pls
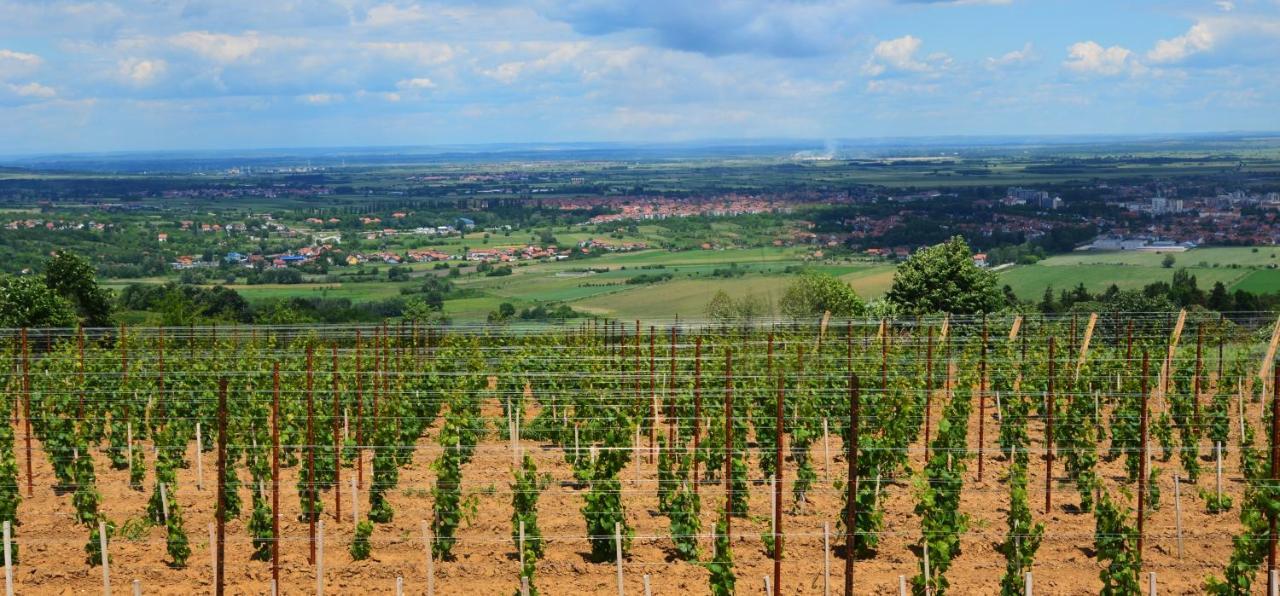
(359, 416)
(728, 441)
(221, 509)
(617, 548)
(275, 474)
(320, 558)
(928, 393)
(337, 441)
(697, 408)
(826, 449)
(777, 493)
(1275, 471)
(102, 548)
(431, 559)
(213, 556)
(199, 457)
(8, 559)
(355, 503)
(1142, 455)
(309, 487)
(26, 397)
(851, 485)
(1050, 405)
(653, 395)
(826, 559)
(982, 399)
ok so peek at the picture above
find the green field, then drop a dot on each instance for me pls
(1243, 268)
(765, 273)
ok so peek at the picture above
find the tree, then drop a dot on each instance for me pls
(944, 279)
(813, 294)
(1168, 261)
(1219, 299)
(25, 301)
(73, 278)
(720, 308)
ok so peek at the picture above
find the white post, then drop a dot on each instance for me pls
(399, 586)
(164, 502)
(999, 409)
(826, 450)
(8, 560)
(521, 546)
(768, 589)
(346, 428)
(199, 459)
(1218, 478)
(274, 592)
(1274, 590)
(213, 551)
(1151, 584)
(431, 563)
(1240, 403)
(128, 432)
(617, 547)
(1177, 510)
(524, 585)
(635, 452)
(355, 503)
(773, 506)
(320, 558)
(826, 559)
(1026, 588)
(137, 587)
(102, 546)
(902, 585)
(647, 591)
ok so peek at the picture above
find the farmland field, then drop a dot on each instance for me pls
(624, 424)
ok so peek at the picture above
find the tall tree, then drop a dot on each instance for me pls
(943, 278)
(73, 278)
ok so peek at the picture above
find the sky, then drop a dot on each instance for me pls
(123, 75)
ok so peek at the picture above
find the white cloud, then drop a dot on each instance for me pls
(1225, 5)
(385, 15)
(32, 90)
(14, 63)
(421, 52)
(140, 72)
(1228, 39)
(320, 99)
(219, 47)
(1013, 59)
(1200, 38)
(901, 55)
(1089, 57)
(416, 83)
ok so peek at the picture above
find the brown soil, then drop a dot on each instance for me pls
(53, 561)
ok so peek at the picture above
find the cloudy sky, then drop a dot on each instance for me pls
(195, 74)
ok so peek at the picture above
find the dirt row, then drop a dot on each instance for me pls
(53, 560)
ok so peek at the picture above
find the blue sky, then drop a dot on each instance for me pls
(108, 75)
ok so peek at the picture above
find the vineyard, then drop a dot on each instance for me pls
(1064, 455)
